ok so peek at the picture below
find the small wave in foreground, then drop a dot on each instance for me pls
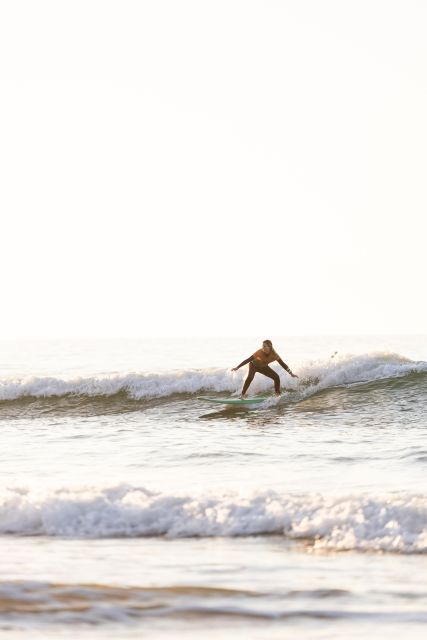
(393, 522)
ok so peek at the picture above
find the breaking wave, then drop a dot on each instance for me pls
(313, 377)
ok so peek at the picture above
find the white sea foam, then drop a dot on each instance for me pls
(312, 377)
(389, 522)
(135, 385)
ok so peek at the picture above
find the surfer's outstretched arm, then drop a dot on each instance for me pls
(242, 364)
(286, 368)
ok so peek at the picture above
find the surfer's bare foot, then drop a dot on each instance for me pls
(242, 396)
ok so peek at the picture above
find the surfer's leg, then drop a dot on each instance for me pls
(266, 371)
(249, 378)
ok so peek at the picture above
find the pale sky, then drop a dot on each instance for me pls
(213, 167)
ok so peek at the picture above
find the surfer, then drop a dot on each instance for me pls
(258, 363)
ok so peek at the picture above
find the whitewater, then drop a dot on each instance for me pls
(394, 522)
(127, 504)
(338, 371)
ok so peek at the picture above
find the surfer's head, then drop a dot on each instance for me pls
(267, 346)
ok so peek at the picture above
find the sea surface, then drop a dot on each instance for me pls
(131, 509)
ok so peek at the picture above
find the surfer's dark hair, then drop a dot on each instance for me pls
(268, 343)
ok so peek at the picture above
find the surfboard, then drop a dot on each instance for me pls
(235, 401)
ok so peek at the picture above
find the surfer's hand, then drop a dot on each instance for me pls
(294, 375)
(235, 369)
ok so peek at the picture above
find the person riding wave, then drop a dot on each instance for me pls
(258, 363)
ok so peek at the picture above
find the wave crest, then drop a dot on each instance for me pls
(314, 376)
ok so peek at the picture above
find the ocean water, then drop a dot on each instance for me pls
(131, 509)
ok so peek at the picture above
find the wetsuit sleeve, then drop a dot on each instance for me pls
(283, 364)
(242, 364)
